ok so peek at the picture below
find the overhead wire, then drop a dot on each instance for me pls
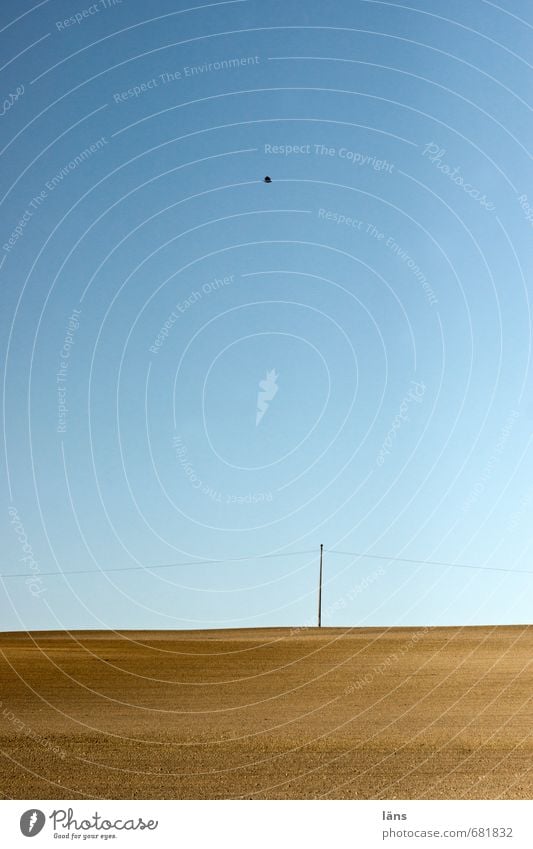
(412, 560)
(149, 567)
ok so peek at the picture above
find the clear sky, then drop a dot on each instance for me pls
(199, 365)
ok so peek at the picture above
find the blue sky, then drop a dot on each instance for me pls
(373, 300)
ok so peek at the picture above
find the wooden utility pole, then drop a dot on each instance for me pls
(320, 589)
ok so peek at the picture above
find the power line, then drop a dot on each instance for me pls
(157, 565)
(431, 562)
(359, 554)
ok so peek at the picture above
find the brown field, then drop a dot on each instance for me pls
(271, 713)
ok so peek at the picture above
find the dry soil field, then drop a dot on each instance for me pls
(274, 713)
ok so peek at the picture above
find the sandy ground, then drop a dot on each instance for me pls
(366, 713)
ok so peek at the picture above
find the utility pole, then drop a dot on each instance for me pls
(320, 589)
